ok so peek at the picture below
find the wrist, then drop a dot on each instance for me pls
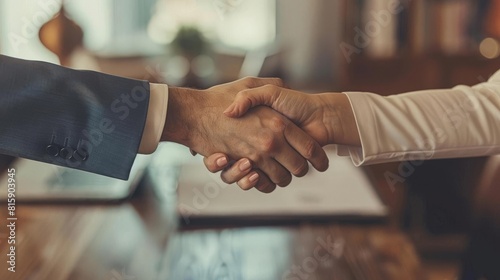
(339, 120)
(183, 104)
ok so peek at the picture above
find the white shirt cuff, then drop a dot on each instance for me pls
(155, 121)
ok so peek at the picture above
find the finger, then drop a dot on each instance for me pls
(216, 162)
(306, 146)
(275, 171)
(292, 160)
(246, 99)
(252, 179)
(257, 179)
(237, 171)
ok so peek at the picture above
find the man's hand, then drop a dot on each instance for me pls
(270, 142)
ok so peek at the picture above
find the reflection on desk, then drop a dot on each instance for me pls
(306, 252)
(140, 240)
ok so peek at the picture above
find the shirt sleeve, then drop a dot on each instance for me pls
(155, 121)
(459, 122)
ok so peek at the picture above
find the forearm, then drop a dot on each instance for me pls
(458, 122)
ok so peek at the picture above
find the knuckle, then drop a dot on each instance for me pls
(212, 169)
(269, 88)
(269, 144)
(284, 180)
(249, 80)
(278, 124)
(266, 187)
(244, 185)
(301, 170)
(243, 97)
(309, 149)
(224, 178)
(277, 82)
(269, 189)
(210, 165)
(256, 157)
(241, 94)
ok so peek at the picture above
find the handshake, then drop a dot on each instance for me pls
(258, 132)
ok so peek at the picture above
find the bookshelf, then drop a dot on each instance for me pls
(391, 47)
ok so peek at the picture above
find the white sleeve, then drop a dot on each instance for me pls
(459, 122)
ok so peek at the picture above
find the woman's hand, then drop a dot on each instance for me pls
(327, 117)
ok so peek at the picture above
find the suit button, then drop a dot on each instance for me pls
(52, 150)
(66, 152)
(81, 155)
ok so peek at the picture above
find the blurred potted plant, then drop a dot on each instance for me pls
(189, 42)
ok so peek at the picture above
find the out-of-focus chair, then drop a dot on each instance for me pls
(482, 260)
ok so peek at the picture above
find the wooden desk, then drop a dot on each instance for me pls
(140, 240)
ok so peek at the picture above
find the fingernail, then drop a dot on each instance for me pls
(229, 110)
(221, 162)
(254, 177)
(245, 165)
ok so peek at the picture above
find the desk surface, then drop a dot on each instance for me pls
(140, 240)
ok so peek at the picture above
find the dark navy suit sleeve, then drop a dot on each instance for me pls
(79, 119)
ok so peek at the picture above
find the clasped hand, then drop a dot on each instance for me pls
(268, 147)
(326, 117)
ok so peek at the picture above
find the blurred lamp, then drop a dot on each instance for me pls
(489, 48)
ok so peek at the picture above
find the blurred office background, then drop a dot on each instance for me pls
(202, 42)
(379, 46)
(375, 45)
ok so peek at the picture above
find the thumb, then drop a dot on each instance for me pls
(247, 99)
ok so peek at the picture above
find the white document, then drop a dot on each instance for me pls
(342, 191)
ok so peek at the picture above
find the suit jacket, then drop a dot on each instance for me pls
(79, 119)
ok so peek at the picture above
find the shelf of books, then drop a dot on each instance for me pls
(392, 46)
